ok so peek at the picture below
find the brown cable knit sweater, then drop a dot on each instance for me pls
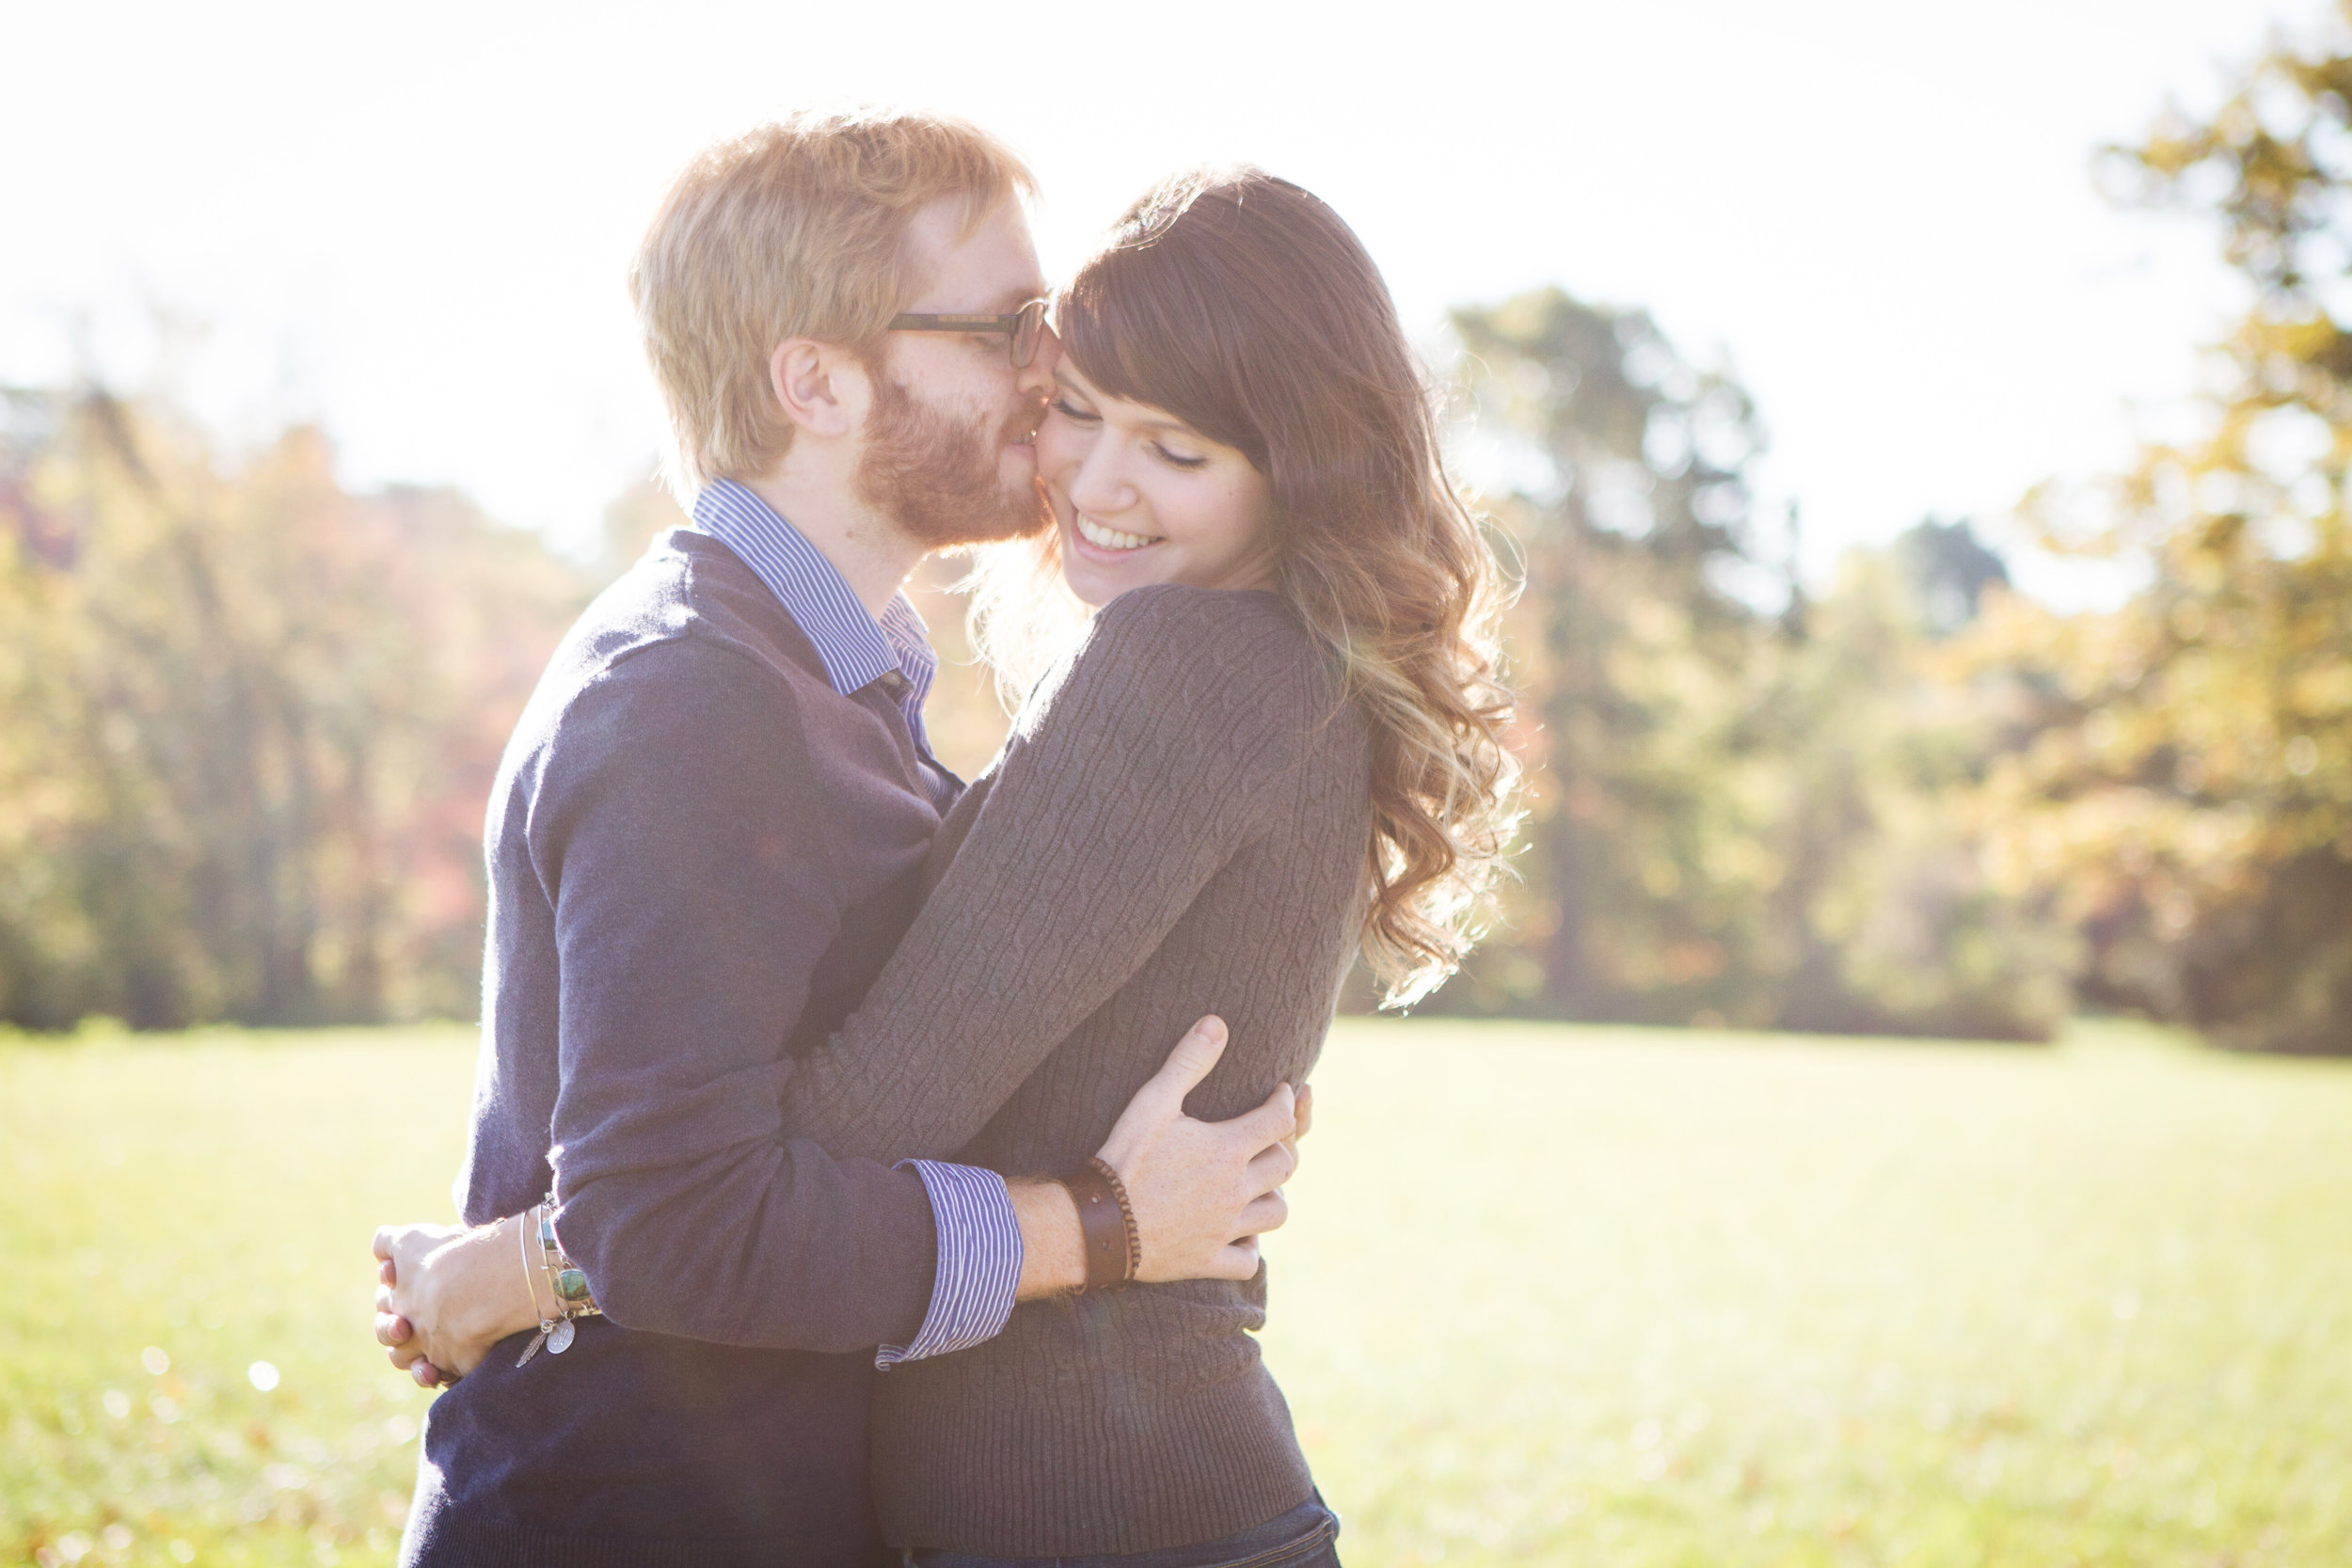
(1177, 826)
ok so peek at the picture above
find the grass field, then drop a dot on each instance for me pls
(1549, 1295)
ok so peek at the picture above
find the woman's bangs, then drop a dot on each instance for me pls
(1137, 329)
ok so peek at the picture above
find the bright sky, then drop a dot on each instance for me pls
(412, 222)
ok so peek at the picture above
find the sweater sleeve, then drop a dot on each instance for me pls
(689, 928)
(1129, 784)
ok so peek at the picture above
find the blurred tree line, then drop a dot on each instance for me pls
(251, 722)
(251, 717)
(1919, 803)
(2181, 787)
(1749, 802)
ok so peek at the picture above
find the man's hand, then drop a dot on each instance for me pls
(445, 1295)
(1202, 1191)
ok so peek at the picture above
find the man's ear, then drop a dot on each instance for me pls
(821, 388)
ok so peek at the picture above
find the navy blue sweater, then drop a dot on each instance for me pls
(699, 856)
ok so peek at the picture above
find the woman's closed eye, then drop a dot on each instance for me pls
(1187, 462)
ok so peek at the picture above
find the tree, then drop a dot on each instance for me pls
(1620, 644)
(1946, 569)
(252, 720)
(2183, 781)
(1742, 809)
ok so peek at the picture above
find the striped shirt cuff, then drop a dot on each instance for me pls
(980, 1262)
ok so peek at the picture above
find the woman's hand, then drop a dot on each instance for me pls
(1203, 1191)
(445, 1295)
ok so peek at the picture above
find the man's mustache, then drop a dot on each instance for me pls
(1022, 427)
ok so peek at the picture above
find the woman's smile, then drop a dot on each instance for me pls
(1142, 497)
(1104, 537)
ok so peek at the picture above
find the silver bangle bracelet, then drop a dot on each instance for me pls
(556, 1332)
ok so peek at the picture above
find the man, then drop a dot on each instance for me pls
(704, 840)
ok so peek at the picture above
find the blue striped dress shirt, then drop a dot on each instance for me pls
(979, 1239)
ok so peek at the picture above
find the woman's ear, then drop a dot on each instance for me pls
(820, 387)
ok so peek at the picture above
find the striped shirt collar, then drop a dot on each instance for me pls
(855, 649)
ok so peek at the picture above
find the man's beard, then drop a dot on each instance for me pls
(937, 477)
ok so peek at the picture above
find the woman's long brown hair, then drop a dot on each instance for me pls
(1244, 307)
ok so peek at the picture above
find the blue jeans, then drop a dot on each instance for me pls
(1305, 1537)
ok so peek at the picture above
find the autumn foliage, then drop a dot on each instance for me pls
(251, 724)
(251, 717)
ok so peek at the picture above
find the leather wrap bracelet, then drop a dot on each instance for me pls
(1106, 1225)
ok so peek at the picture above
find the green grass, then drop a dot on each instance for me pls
(1549, 1295)
(211, 1199)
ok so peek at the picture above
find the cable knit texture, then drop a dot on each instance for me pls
(1177, 826)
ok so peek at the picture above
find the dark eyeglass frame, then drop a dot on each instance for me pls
(1026, 327)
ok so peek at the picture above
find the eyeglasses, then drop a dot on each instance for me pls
(1024, 326)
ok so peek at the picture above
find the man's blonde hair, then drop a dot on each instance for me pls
(793, 230)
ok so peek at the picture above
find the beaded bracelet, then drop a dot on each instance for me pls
(566, 1282)
(566, 1278)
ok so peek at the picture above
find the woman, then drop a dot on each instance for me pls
(1278, 744)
